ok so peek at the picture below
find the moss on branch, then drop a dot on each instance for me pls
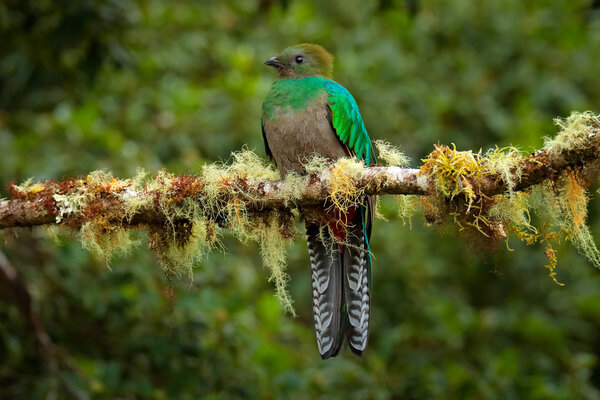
(488, 196)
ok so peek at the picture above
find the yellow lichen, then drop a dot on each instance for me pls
(343, 193)
(571, 200)
(449, 168)
(552, 261)
(24, 188)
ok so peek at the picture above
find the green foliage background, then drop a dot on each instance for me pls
(119, 85)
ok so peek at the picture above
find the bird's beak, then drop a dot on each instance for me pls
(274, 62)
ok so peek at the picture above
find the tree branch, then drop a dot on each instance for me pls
(40, 204)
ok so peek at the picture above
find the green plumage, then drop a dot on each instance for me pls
(295, 95)
(292, 95)
(347, 121)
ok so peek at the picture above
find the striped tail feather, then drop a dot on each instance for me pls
(357, 275)
(326, 268)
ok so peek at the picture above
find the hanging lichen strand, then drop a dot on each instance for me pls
(488, 196)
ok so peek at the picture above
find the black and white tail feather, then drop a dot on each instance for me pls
(326, 270)
(356, 264)
(341, 285)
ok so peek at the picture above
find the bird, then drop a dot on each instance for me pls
(307, 114)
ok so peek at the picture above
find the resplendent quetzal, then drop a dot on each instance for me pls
(307, 114)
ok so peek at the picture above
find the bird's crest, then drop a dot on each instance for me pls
(323, 58)
(303, 60)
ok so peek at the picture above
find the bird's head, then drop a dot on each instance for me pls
(303, 60)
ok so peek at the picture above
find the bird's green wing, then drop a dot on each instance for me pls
(347, 122)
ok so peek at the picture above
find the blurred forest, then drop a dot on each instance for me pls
(122, 84)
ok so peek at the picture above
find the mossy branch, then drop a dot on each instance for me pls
(31, 208)
(43, 203)
(486, 195)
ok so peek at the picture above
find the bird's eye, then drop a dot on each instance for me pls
(299, 59)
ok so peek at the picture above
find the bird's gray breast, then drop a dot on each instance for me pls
(296, 136)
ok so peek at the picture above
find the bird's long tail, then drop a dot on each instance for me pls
(357, 276)
(340, 280)
(326, 269)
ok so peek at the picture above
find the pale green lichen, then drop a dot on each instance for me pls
(136, 202)
(504, 162)
(293, 186)
(390, 154)
(316, 165)
(179, 253)
(273, 249)
(69, 204)
(513, 213)
(106, 241)
(574, 132)
(51, 232)
(246, 165)
(393, 156)
(406, 206)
